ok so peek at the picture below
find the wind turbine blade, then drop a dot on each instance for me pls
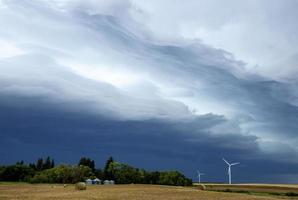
(226, 161)
(235, 163)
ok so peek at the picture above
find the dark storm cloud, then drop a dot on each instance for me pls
(87, 81)
(37, 129)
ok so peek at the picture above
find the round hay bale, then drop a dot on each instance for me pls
(202, 187)
(64, 185)
(81, 186)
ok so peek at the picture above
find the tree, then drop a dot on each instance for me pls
(39, 164)
(42, 164)
(87, 162)
(63, 174)
(32, 165)
(173, 178)
(16, 172)
(151, 177)
(47, 164)
(20, 162)
(52, 163)
(108, 173)
(45, 172)
(92, 165)
(124, 174)
(99, 174)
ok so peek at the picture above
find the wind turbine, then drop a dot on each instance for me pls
(199, 175)
(229, 170)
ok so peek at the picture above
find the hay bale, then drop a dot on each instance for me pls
(202, 187)
(64, 185)
(81, 186)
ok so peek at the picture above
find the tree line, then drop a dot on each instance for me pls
(45, 171)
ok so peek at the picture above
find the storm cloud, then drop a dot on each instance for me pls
(89, 78)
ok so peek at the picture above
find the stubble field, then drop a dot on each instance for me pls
(15, 191)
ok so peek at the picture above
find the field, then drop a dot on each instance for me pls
(273, 189)
(116, 192)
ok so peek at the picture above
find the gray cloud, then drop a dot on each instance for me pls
(91, 60)
(261, 33)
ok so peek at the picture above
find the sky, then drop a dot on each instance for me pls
(160, 85)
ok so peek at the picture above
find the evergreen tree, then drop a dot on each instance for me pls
(39, 164)
(47, 164)
(20, 162)
(108, 174)
(52, 163)
(82, 161)
(92, 165)
(32, 165)
(87, 162)
(99, 174)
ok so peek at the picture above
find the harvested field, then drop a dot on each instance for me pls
(273, 189)
(117, 192)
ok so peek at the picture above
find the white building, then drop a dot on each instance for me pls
(96, 181)
(88, 181)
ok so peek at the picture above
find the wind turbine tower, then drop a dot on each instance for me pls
(199, 175)
(230, 170)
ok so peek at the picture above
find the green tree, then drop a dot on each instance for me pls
(39, 164)
(108, 173)
(52, 164)
(87, 162)
(20, 162)
(63, 174)
(124, 173)
(173, 178)
(99, 174)
(47, 164)
(18, 172)
(32, 165)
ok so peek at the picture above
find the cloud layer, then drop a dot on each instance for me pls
(75, 74)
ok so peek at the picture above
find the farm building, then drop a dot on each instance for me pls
(89, 181)
(109, 182)
(96, 181)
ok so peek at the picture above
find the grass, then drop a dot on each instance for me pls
(116, 192)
